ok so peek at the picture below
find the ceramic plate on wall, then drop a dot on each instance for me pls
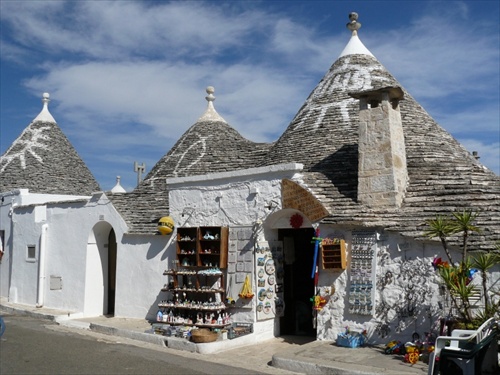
(262, 294)
(269, 266)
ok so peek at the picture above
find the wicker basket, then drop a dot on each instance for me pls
(203, 335)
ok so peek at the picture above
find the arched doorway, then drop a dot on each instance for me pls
(100, 271)
(111, 272)
(298, 285)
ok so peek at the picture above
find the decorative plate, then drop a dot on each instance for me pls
(270, 293)
(267, 308)
(269, 266)
(262, 294)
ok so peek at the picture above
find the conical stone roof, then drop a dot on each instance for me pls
(209, 146)
(43, 160)
(443, 175)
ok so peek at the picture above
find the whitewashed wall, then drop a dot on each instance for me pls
(234, 199)
(408, 299)
(12, 225)
(6, 226)
(69, 225)
(139, 274)
(229, 198)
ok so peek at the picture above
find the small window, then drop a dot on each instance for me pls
(31, 253)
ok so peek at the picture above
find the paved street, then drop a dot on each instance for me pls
(32, 346)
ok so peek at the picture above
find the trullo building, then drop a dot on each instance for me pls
(335, 209)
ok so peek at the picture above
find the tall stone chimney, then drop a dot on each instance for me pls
(382, 173)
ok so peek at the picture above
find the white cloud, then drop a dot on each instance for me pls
(117, 29)
(118, 69)
(170, 98)
(438, 56)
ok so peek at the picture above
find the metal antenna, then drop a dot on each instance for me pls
(139, 169)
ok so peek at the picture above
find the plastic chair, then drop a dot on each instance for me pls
(466, 352)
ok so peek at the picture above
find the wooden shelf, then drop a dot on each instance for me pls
(202, 246)
(200, 308)
(200, 251)
(193, 290)
(333, 256)
(191, 325)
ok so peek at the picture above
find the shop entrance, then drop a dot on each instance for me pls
(111, 272)
(298, 286)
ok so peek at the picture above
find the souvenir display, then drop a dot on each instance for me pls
(195, 285)
(361, 274)
(269, 270)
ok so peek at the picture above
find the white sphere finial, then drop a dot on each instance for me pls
(210, 91)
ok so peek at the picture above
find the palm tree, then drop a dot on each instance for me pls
(457, 277)
(456, 288)
(463, 223)
(441, 227)
(483, 262)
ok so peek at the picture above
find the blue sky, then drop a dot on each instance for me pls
(128, 78)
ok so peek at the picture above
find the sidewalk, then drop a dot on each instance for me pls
(282, 355)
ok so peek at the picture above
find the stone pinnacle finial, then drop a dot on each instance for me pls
(45, 115)
(45, 99)
(118, 188)
(354, 25)
(210, 91)
(211, 114)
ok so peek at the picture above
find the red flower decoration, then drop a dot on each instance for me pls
(296, 221)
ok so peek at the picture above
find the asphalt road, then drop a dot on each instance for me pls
(34, 346)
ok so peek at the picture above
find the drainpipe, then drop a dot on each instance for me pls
(41, 266)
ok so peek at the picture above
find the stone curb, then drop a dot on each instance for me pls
(139, 336)
(12, 310)
(292, 362)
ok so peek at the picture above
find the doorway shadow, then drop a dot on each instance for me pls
(298, 340)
